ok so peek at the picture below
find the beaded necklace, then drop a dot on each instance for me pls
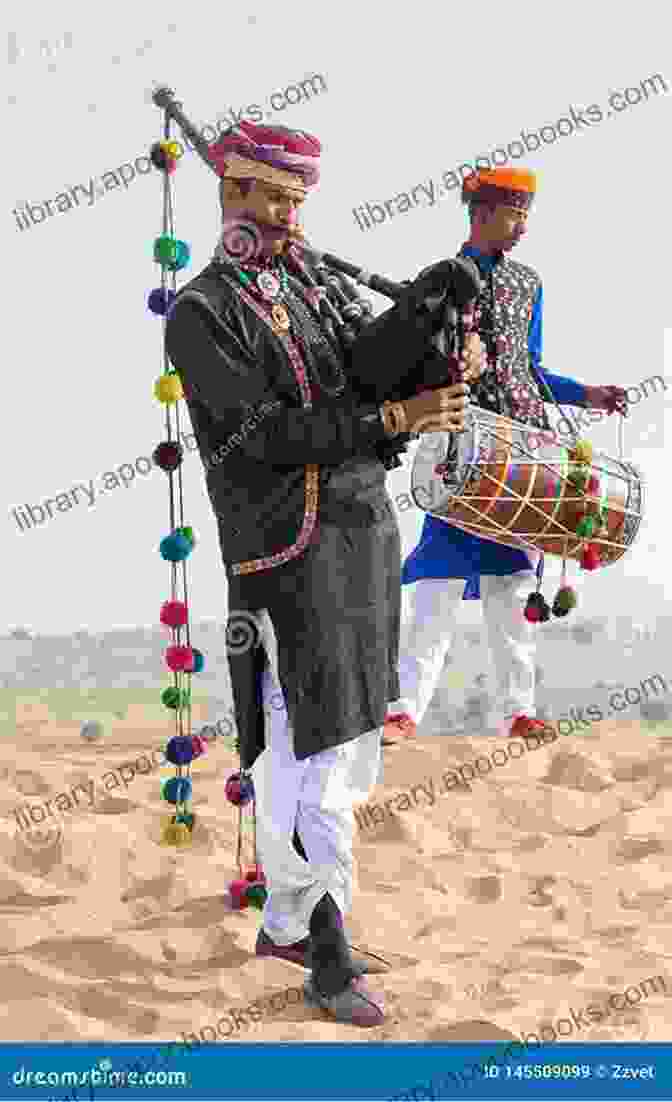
(270, 288)
(273, 285)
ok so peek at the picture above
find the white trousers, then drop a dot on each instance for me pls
(317, 796)
(429, 635)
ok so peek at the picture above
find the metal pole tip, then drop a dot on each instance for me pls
(162, 95)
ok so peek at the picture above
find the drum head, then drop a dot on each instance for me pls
(432, 490)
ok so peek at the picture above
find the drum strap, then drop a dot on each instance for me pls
(540, 570)
(546, 390)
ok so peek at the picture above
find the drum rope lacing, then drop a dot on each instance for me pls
(523, 539)
(560, 500)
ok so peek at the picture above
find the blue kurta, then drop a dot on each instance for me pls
(447, 552)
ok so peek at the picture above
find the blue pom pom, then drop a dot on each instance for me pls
(175, 547)
(180, 750)
(177, 790)
(182, 256)
(160, 300)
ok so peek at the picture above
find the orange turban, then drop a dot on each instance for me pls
(513, 187)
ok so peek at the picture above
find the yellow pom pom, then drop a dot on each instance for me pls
(168, 388)
(176, 834)
(173, 149)
(582, 452)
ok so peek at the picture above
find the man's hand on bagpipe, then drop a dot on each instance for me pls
(440, 409)
(447, 291)
(473, 361)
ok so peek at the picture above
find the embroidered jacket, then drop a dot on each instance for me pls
(502, 319)
(508, 320)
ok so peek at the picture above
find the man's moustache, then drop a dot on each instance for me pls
(272, 229)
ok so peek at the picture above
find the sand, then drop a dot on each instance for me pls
(546, 887)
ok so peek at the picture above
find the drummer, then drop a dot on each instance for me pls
(508, 318)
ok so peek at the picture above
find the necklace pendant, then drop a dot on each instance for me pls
(280, 318)
(269, 286)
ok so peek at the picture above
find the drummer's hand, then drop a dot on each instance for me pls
(613, 399)
(474, 360)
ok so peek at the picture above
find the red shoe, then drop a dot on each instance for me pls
(398, 726)
(525, 725)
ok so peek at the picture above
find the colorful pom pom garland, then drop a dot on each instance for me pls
(249, 890)
(183, 659)
(590, 526)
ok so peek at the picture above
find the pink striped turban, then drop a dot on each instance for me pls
(272, 154)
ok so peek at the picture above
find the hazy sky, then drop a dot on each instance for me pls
(408, 95)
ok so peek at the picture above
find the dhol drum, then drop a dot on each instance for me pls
(512, 484)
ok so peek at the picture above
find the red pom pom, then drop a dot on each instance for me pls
(255, 875)
(199, 745)
(237, 889)
(179, 658)
(232, 790)
(590, 559)
(168, 455)
(593, 485)
(239, 790)
(174, 614)
(532, 614)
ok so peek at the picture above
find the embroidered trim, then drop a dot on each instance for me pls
(288, 344)
(312, 473)
(304, 537)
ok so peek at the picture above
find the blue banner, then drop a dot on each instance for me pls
(390, 1072)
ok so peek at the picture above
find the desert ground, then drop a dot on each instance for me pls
(542, 886)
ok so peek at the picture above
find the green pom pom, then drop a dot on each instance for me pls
(579, 477)
(256, 895)
(165, 248)
(565, 599)
(586, 527)
(174, 697)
